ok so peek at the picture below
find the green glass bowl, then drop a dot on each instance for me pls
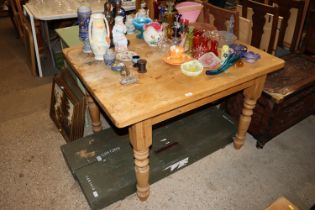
(191, 68)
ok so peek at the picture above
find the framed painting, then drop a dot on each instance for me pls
(67, 108)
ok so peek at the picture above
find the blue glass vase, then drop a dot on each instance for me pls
(139, 22)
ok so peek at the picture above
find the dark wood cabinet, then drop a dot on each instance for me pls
(288, 97)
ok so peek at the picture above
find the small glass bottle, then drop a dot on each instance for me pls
(162, 11)
(176, 28)
(169, 15)
(214, 40)
(189, 40)
(164, 43)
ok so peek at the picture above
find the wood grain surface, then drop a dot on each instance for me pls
(163, 88)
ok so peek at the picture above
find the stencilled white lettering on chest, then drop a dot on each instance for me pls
(178, 164)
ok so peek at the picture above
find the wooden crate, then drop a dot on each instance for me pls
(288, 97)
(103, 163)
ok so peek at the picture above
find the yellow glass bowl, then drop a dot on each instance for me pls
(191, 68)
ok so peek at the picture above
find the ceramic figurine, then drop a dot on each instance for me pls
(129, 24)
(84, 14)
(119, 38)
(99, 35)
(153, 33)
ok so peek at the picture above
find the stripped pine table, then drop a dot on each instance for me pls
(161, 93)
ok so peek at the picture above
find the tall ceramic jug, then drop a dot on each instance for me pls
(99, 35)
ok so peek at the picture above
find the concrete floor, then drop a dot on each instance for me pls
(34, 174)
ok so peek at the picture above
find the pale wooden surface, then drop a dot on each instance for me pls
(162, 93)
(161, 89)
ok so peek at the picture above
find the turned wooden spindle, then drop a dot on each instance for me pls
(142, 173)
(244, 122)
(140, 136)
(251, 95)
(95, 114)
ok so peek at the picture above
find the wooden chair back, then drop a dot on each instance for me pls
(285, 11)
(300, 6)
(244, 34)
(203, 26)
(16, 15)
(29, 47)
(260, 10)
(246, 31)
(25, 32)
(220, 17)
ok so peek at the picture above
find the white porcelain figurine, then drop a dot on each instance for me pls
(119, 37)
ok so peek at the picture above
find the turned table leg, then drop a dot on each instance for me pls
(140, 136)
(251, 95)
(95, 114)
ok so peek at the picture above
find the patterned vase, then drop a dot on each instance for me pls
(99, 35)
(84, 14)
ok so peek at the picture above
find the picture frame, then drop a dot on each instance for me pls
(67, 107)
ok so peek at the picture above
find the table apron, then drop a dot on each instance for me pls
(200, 102)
